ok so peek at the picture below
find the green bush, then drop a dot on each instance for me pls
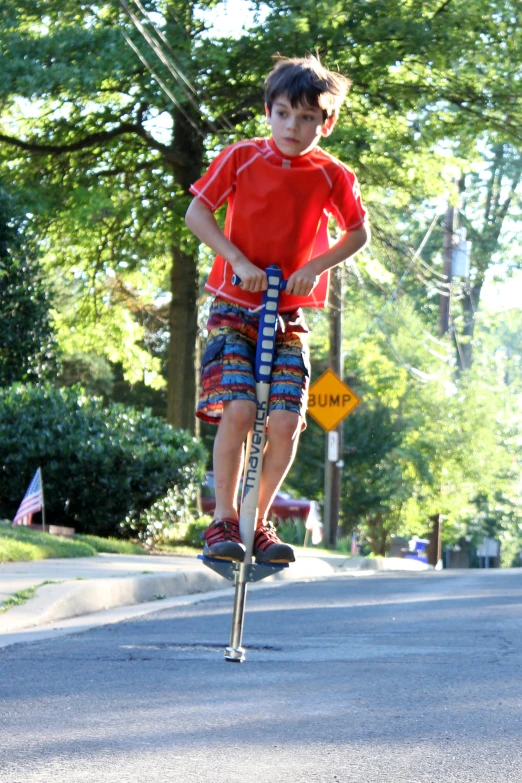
(292, 532)
(344, 545)
(194, 530)
(170, 520)
(100, 465)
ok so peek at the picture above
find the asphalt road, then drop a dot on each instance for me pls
(403, 678)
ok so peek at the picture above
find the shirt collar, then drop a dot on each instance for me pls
(295, 160)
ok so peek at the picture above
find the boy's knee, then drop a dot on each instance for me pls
(284, 425)
(240, 413)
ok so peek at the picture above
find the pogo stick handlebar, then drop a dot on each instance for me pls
(267, 323)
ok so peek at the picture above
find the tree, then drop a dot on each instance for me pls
(100, 174)
(421, 447)
(491, 210)
(27, 345)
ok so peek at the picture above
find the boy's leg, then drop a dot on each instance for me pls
(222, 538)
(236, 422)
(282, 439)
(284, 428)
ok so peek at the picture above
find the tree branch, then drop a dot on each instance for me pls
(441, 8)
(92, 140)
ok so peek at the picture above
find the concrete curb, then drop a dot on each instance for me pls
(75, 598)
(60, 601)
(383, 564)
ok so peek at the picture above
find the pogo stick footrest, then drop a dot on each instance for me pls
(228, 569)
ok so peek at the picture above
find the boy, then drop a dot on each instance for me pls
(280, 192)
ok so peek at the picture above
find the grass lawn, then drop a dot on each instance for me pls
(112, 545)
(19, 543)
(178, 549)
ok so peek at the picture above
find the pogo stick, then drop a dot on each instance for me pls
(242, 573)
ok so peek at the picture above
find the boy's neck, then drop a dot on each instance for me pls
(273, 145)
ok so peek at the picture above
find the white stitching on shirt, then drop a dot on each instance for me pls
(244, 166)
(222, 163)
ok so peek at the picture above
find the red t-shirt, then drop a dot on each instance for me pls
(278, 209)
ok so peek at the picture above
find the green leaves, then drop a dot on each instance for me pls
(99, 464)
(27, 344)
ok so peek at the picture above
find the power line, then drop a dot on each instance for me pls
(393, 296)
(431, 285)
(413, 371)
(227, 125)
(158, 50)
(160, 35)
(378, 320)
(156, 44)
(401, 245)
(162, 84)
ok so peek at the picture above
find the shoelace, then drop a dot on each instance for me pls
(229, 531)
(268, 530)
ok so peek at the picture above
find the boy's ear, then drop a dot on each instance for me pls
(267, 111)
(328, 126)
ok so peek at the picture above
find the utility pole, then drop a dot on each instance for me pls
(334, 440)
(444, 299)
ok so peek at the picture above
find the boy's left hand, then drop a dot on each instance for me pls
(303, 281)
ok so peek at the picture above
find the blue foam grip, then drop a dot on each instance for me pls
(267, 323)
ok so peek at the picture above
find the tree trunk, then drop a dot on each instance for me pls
(183, 320)
(188, 146)
(378, 535)
(434, 540)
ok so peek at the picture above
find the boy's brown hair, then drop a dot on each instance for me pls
(303, 80)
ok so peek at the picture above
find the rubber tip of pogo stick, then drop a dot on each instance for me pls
(235, 654)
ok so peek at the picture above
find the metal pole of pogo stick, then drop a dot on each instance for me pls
(254, 455)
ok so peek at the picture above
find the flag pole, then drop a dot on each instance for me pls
(43, 500)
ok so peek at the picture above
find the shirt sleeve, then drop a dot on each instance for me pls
(218, 181)
(345, 202)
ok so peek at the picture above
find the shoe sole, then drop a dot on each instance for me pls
(281, 561)
(217, 556)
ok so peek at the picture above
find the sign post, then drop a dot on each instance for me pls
(330, 401)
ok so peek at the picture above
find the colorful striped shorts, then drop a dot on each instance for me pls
(227, 365)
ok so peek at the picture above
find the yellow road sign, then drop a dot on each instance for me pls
(330, 400)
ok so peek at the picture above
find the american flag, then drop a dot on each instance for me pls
(32, 502)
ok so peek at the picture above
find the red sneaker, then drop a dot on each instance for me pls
(268, 547)
(222, 540)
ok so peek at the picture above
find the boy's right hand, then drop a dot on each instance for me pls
(252, 278)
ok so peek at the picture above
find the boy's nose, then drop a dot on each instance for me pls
(291, 122)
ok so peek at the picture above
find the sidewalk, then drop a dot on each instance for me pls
(86, 585)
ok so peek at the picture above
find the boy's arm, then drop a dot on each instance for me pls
(303, 280)
(204, 225)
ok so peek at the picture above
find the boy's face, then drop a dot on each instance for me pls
(297, 130)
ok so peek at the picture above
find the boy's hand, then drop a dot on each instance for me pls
(303, 281)
(253, 279)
